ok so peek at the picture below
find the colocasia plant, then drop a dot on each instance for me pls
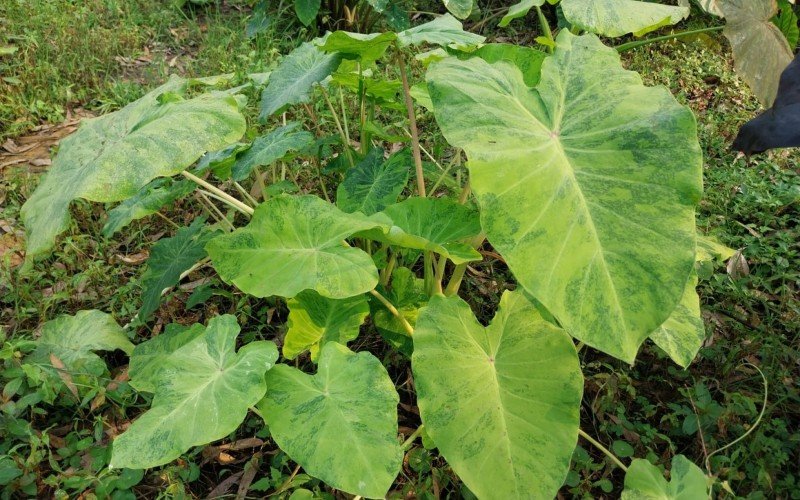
(583, 179)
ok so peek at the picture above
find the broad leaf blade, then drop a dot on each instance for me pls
(459, 8)
(374, 183)
(168, 259)
(150, 357)
(292, 81)
(365, 48)
(619, 17)
(306, 10)
(435, 224)
(519, 10)
(315, 320)
(501, 403)
(202, 394)
(111, 157)
(294, 243)
(72, 339)
(444, 30)
(340, 425)
(644, 481)
(587, 185)
(682, 334)
(527, 60)
(760, 51)
(270, 148)
(147, 201)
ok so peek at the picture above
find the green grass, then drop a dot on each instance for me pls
(102, 54)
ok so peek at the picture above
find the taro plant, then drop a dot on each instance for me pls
(583, 179)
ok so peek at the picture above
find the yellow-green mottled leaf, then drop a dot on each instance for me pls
(72, 339)
(295, 243)
(619, 17)
(435, 224)
(587, 184)
(340, 425)
(444, 30)
(111, 157)
(202, 394)
(270, 148)
(709, 250)
(459, 8)
(760, 51)
(519, 10)
(315, 320)
(644, 481)
(502, 402)
(365, 48)
(147, 201)
(683, 333)
(149, 357)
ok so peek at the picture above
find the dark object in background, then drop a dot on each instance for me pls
(779, 126)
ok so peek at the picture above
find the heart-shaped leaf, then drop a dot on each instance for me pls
(168, 259)
(644, 481)
(620, 17)
(518, 10)
(315, 320)
(683, 333)
(270, 148)
(295, 243)
(365, 48)
(293, 79)
(202, 394)
(147, 201)
(760, 51)
(111, 157)
(444, 30)
(502, 402)
(72, 339)
(340, 425)
(587, 184)
(435, 224)
(150, 357)
(374, 183)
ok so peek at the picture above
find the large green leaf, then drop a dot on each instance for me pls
(202, 394)
(306, 10)
(444, 30)
(459, 8)
(147, 201)
(518, 10)
(365, 48)
(292, 81)
(620, 17)
(501, 403)
(644, 481)
(587, 184)
(374, 183)
(683, 333)
(315, 320)
(760, 51)
(73, 338)
(340, 425)
(111, 157)
(436, 224)
(169, 258)
(270, 148)
(294, 243)
(526, 59)
(149, 357)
